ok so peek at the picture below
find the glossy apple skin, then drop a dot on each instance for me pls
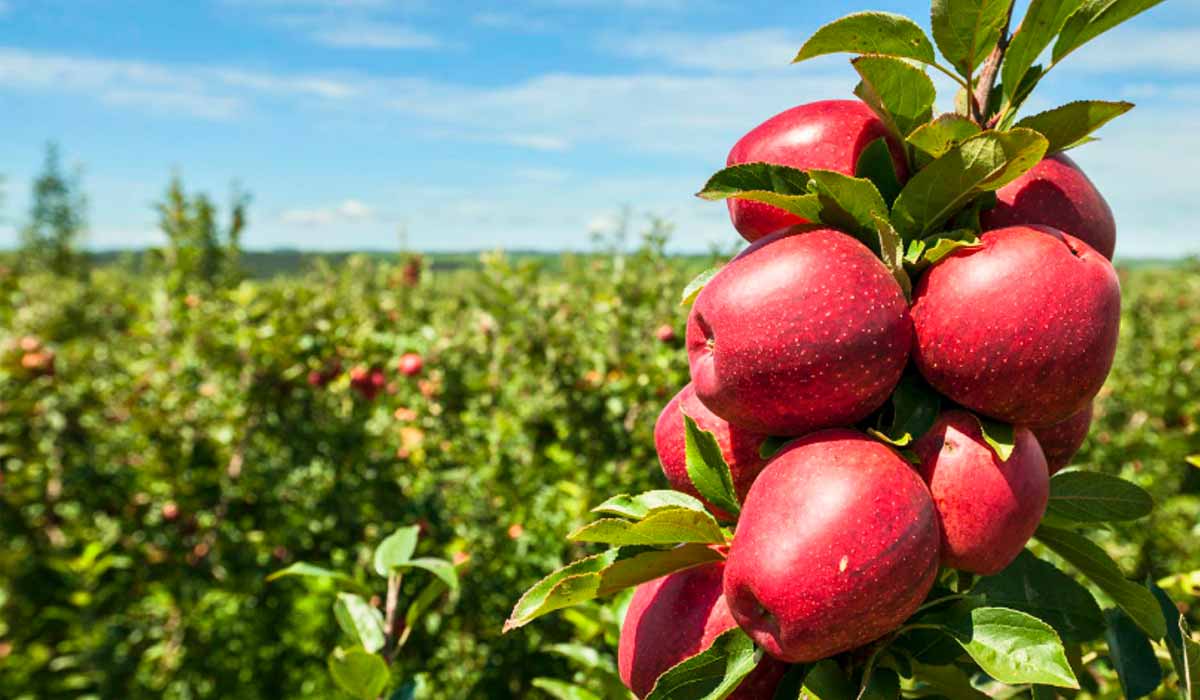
(987, 509)
(801, 331)
(1056, 193)
(836, 546)
(825, 135)
(1060, 441)
(676, 617)
(1022, 329)
(739, 447)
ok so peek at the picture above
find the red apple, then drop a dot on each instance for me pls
(368, 382)
(676, 617)
(1060, 441)
(410, 364)
(1055, 192)
(665, 333)
(1022, 328)
(826, 135)
(988, 509)
(738, 446)
(801, 331)
(836, 546)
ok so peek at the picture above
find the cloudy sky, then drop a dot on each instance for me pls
(517, 124)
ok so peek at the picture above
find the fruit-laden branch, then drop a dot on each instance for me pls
(987, 75)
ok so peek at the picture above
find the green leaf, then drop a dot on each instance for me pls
(915, 407)
(999, 436)
(602, 575)
(641, 505)
(357, 672)
(792, 683)
(585, 656)
(881, 33)
(1042, 22)
(692, 290)
(891, 252)
(884, 684)
(740, 180)
(931, 250)
(982, 163)
(561, 690)
(360, 620)
(307, 570)
(441, 568)
(1065, 126)
(1132, 656)
(1013, 647)
(1100, 569)
(826, 681)
(966, 31)
(1185, 652)
(1092, 497)
(848, 204)
(1093, 18)
(896, 90)
(1036, 587)
(707, 469)
(713, 674)
(933, 140)
(424, 600)
(1194, 460)
(396, 549)
(666, 526)
(772, 445)
(875, 164)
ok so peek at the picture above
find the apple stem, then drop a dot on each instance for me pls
(987, 75)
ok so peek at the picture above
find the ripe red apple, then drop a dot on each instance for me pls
(665, 333)
(1060, 441)
(826, 135)
(1022, 328)
(676, 617)
(1056, 193)
(368, 382)
(801, 331)
(410, 364)
(738, 446)
(988, 509)
(836, 546)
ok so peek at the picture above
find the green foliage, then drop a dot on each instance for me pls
(57, 219)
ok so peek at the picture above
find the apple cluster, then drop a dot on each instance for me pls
(802, 341)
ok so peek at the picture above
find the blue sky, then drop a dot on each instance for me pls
(522, 124)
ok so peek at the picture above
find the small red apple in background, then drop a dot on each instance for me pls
(325, 375)
(836, 546)
(1023, 328)
(39, 363)
(665, 333)
(739, 447)
(1056, 193)
(410, 364)
(368, 382)
(170, 511)
(1060, 441)
(987, 509)
(676, 617)
(801, 331)
(825, 135)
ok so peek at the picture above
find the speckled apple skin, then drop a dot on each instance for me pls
(808, 330)
(1056, 193)
(987, 509)
(1022, 329)
(1060, 441)
(836, 546)
(739, 447)
(676, 617)
(826, 135)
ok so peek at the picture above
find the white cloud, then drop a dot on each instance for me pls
(512, 22)
(348, 211)
(1132, 48)
(373, 35)
(537, 142)
(751, 51)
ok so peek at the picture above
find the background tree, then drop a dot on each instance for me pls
(199, 250)
(57, 218)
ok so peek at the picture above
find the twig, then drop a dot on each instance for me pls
(393, 622)
(987, 75)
